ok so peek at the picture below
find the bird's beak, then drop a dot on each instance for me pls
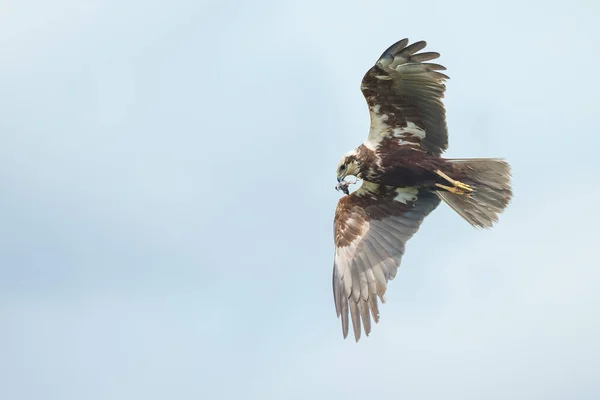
(339, 179)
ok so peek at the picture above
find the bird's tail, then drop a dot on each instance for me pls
(486, 191)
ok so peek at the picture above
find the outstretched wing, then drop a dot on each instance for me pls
(372, 226)
(404, 94)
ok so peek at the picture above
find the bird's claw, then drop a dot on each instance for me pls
(455, 189)
(458, 187)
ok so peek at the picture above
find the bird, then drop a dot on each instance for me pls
(403, 179)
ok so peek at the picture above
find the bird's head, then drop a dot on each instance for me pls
(348, 166)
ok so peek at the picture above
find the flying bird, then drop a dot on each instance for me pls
(404, 178)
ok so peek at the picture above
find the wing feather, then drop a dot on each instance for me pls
(374, 309)
(403, 91)
(377, 275)
(345, 314)
(355, 316)
(365, 315)
(354, 269)
(387, 239)
(371, 230)
(427, 56)
(362, 276)
(386, 263)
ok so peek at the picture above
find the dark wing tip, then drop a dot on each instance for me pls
(395, 48)
(413, 48)
(425, 56)
(400, 53)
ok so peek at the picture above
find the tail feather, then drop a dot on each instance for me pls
(490, 180)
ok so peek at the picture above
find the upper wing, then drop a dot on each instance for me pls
(372, 226)
(404, 94)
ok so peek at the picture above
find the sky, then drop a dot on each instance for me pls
(168, 172)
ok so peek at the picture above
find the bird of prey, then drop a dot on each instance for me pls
(404, 178)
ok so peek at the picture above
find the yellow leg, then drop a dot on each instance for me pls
(462, 187)
(454, 190)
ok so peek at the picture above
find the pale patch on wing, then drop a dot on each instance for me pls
(410, 130)
(379, 128)
(406, 195)
(409, 135)
(368, 188)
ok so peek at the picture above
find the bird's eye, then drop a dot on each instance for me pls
(343, 167)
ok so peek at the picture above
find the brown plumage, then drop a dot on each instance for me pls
(404, 179)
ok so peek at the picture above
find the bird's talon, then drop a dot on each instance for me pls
(456, 190)
(461, 188)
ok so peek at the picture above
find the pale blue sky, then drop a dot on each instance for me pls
(167, 174)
